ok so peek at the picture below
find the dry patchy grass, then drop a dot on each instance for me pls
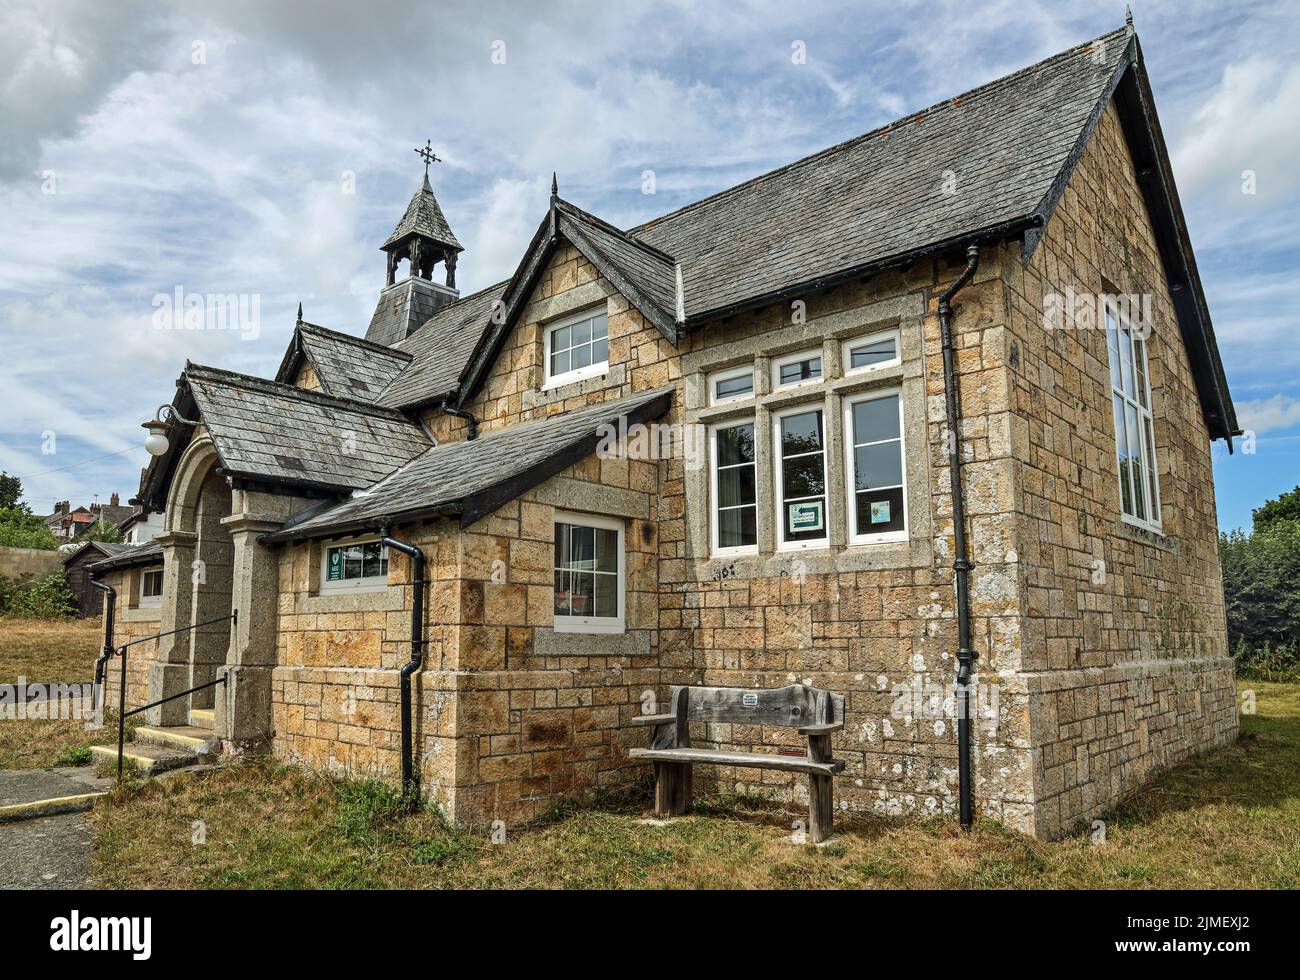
(26, 744)
(1227, 820)
(44, 650)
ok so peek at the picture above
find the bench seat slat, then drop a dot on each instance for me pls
(751, 760)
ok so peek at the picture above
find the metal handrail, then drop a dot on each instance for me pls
(122, 713)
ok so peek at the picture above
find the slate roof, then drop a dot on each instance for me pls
(265, 430)
(440, 349)
(404, 306)
(424, 217)
(347, 366)
(127, 556)
(108, 549)
(472, 478)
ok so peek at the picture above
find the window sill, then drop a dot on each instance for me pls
(1142, 534)
(575, 377)
(603, 629)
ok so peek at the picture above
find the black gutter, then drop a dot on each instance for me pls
(961, 563)
(110, 609)
(462, 414)
(410, 785)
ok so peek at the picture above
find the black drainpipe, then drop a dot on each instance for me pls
(110, 608)
(461, 414)
(410, 785)
(961, 564)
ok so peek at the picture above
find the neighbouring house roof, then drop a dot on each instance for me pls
(347, 366)
(471, 479)
(424, 217)
(127, 556)
(114, 515)
(106, 548)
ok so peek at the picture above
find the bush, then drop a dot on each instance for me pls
(46, 598)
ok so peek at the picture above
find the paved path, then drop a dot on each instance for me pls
(51, 851)
(47, 852)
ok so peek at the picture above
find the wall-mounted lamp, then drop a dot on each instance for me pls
(156, 442)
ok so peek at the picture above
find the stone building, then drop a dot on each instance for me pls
(714, 449)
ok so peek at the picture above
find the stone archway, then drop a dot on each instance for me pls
(198, 503)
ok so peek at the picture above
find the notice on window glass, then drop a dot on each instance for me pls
(880, 512)
(334, 572)
(805, 515)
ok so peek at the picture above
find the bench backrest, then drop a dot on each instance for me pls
(791, 706)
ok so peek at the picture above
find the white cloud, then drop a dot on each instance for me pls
(1270, 414)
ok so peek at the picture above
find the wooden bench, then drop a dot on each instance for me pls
(815, 713)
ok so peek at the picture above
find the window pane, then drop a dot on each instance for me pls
(880, 465)
(805, 520)
(1154, 495)
(877, 352)
(803, 370)
(352, 561)
(736, 486)
(559, 362)
(599, 351)
(582, 548)
(1126, 360)
(1140, 360)
(1112, 351)
(804, 477)
(736, 445)
(600, 326)
(733, 387)
(560, 339)
(580, 333)
(370, 559)
(580, 357)
(801, 433)
(582, 593)
(1121, 450)
(875, 420)
(606, 550)
(738, 528)
(606, 600)
(562, 537)
(1135, 464)
(879, 511)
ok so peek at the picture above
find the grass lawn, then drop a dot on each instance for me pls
(45, 650)
(1227, 820)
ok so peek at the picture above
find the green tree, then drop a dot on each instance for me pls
(20, 528)
(101, 530)
(11, 489)
(1285, 508)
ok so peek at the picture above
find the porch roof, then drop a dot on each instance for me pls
(470, 479)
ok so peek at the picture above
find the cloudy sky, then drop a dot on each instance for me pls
(265, 150)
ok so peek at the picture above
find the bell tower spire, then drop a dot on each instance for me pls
(423, 238)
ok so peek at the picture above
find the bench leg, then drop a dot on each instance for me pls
(673, 789)
(821, 808)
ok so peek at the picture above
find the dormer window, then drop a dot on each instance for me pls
(577, 348)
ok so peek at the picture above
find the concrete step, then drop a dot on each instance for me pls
(187, 738)
(147, 758)
(203, 718)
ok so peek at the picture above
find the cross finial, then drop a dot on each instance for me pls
(300, 311)
(555, 185)
(1128, 16)
(428, 156)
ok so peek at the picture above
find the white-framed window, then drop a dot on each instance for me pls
(874, 351)
(577, 347)
(1135, 442)
(790, 370)
(354, 566)
(734, 489)
(731, 385)
(800, 455)
(875, 467)
(589, 574)
(151, 587)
